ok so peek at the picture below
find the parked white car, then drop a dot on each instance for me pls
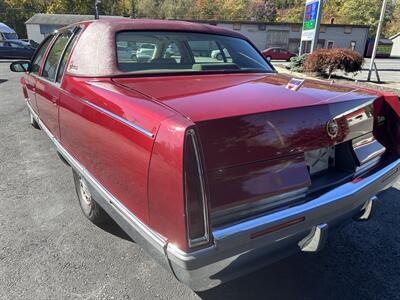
(218, 55)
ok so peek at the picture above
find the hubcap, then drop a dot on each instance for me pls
(86, 197)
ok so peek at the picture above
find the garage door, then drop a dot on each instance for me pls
(277, 38)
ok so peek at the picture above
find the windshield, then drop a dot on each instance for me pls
(160, 52)
(10, 36)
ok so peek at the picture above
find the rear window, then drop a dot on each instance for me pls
(161, 52)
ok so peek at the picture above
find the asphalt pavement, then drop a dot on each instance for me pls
(48, 250)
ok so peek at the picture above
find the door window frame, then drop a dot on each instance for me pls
(50, 46)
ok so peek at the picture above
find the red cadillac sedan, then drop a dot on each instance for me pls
(278, 53)
(217, 167)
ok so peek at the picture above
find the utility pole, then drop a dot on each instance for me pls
(96, 9)
(133, 9)
(378, 33)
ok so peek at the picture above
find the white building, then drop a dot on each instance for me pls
(396, 45)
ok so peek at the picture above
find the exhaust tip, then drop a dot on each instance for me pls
(316, 239)
(366, 211)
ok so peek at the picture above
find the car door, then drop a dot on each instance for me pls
(18, 50)
(5, 50)
(31, 77)
(47, 87)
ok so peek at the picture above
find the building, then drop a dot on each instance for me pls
(396, 45)
(287, 35)
(263, 35)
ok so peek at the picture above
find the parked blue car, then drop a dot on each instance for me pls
(15, 50)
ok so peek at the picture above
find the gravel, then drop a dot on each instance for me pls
(48, 250)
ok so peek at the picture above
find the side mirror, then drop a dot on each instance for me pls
(20, 66)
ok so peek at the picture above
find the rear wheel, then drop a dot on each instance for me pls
(219, 56)
(90, 208)
(269, 58)
(33, 121)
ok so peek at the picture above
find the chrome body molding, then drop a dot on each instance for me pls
(236, 250)
(155, 239)
(122, 120)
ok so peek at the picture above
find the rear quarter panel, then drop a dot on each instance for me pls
(114, 153)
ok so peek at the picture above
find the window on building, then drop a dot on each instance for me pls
(353, 45)
(330, 44)
(348, 29)
(295, 28)
(322, 28)
(262, 27)
(236, 26)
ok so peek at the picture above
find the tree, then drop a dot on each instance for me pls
(393, 26)
(364, 12)
(262, 10)
(176, 9)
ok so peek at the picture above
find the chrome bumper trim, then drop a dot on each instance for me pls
(235, 249)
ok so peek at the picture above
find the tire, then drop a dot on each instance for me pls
(219, 56)
(289, 58)
(268, 58)
(90, 208)
(33, 122)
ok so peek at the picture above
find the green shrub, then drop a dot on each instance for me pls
(326, 61)
(296, 63)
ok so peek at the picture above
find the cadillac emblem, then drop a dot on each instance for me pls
(332, 128)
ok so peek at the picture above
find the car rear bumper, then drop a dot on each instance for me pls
(250, 245)
(245, 246)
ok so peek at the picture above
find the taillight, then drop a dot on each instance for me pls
(195, 194)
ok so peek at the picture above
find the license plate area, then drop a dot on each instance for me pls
(320, 160)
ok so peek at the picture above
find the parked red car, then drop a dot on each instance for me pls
(278, 53)
(216, 167)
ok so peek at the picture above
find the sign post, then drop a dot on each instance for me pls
(311, 21)
(378, 33)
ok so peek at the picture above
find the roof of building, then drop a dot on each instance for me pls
(61, 19)
(273, 23)
(66, 19)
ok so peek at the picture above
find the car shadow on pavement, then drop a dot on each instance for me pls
(113, 228)
(3, 80)
(360, 261)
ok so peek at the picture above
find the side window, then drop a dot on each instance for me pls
(37, 61)
(54, 56)
(65, 57)
(16, 45)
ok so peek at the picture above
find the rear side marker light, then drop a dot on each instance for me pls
(354, 181)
